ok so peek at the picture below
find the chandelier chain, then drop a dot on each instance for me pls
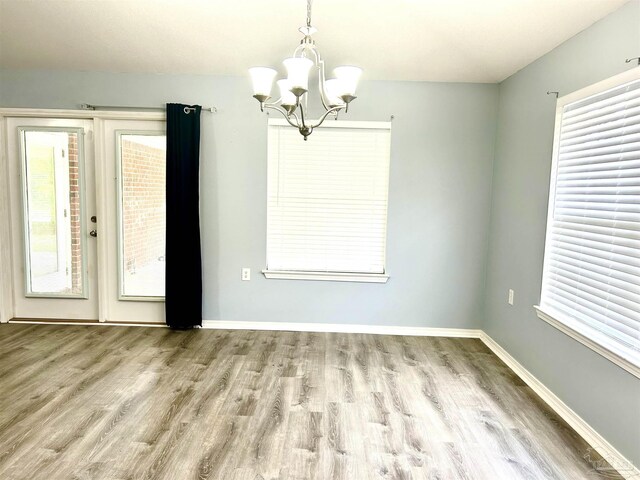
(309, 2)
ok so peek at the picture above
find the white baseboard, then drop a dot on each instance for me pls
(343, 328)
(597, 441)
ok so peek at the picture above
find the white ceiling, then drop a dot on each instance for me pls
(436, 40)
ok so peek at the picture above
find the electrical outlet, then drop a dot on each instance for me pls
(246, 274)
(510, 301)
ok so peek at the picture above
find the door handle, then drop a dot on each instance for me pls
(93, 233)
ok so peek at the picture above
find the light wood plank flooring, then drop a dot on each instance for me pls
(80, 402)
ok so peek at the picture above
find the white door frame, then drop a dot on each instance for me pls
(7, 287)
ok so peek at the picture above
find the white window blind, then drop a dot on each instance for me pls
(591, 280)
(327, 198)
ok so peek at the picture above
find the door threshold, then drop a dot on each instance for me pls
(56, 321)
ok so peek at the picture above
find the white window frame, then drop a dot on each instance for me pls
(574, 329)
(332, 276)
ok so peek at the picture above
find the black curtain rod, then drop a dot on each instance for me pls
(87, 106)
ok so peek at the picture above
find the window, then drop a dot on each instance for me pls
(327, 201)
(52, 186)
(591, 279)
(141, 213)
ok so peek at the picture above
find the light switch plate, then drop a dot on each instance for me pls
(510, 301)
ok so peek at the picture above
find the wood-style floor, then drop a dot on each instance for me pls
(81, 402)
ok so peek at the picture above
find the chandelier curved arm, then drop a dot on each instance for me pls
(327, 113)
(284, 114)
(321, 80)
(275, 106)
(293, 114)
(301, 125)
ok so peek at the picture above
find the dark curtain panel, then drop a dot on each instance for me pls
(183, 294)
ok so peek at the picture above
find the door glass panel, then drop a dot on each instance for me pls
(52, 198)
(142, 213)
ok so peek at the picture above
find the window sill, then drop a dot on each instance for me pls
(326, 276)
(582, 337)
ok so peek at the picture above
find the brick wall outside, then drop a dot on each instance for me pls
(144, 209)
(74, 214)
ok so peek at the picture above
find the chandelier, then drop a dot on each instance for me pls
(335, 93)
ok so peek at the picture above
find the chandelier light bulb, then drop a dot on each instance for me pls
(286, 97)
(333, 89)
(298, 74)
(262, 79)
(348, 77)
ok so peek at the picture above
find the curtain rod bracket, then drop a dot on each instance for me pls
(187, 110)
(629, 60)
(554, 93)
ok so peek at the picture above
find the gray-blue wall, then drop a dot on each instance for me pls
(599, 391)
(440, 200)
(439, 197)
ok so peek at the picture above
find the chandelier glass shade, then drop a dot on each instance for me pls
(335, 94)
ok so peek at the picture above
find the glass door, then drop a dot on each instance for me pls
(135, 165)
(52, 194)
